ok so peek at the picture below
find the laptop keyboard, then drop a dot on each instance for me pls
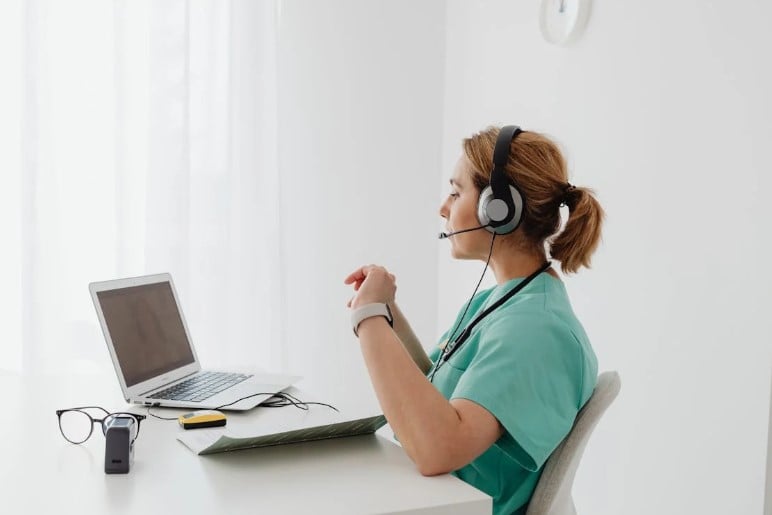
(201, 387)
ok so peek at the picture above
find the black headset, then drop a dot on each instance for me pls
(500, 206)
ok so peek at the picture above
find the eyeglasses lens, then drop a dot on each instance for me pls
(75, 425)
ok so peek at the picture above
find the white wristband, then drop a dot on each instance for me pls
(368, 311)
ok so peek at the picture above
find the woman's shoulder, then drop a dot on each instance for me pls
(539, 319)
(534, 321)
(537, 331)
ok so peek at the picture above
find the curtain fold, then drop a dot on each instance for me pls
(145, 142)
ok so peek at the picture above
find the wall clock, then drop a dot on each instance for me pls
(563, 21)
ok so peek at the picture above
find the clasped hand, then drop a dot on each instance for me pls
(372, 283)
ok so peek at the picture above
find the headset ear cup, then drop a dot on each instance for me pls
(517, 200)
(486, 196)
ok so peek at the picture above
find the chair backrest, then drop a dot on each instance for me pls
(552, 495)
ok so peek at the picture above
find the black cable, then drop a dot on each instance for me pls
(286, 400)
(277, 400)
(437, 364)
(157, 416)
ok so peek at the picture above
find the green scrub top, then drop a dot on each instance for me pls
(530, 364)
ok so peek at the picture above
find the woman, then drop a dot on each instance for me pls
(503, 388)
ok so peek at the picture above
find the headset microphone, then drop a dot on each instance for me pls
(444, 235)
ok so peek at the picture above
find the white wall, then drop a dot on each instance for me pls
(360, 113)
(664, 108)
(768, 496)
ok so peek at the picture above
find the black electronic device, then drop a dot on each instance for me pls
(120, 434)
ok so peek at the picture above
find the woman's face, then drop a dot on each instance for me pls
(460, 212)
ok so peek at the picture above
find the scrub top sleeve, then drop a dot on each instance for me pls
(528, 375)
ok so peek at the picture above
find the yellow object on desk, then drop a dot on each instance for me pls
(202, 418)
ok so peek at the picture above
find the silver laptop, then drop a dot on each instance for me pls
(153, 354)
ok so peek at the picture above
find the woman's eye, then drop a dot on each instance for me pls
(453, 194)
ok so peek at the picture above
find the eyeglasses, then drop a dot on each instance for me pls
(76, 425)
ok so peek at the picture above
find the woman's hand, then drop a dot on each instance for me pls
(372, 283)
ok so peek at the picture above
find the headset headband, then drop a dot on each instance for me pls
(499, 181)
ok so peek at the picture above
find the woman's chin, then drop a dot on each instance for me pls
(456, 253)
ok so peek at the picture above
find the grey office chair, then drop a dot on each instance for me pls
(552, 495)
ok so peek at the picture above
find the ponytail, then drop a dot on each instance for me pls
(574, 246)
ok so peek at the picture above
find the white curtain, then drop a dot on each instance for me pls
(138, 137)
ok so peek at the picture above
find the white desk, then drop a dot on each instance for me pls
(42, 473)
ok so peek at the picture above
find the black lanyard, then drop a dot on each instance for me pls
(459, 341)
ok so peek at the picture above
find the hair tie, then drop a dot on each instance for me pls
(567, 190)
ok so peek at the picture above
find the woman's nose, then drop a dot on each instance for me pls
(444, 209)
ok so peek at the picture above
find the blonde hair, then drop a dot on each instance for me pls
(538, 168)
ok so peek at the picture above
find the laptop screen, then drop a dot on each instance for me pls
(146, 330)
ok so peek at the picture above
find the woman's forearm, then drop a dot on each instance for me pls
(410, 340)
(423, 420)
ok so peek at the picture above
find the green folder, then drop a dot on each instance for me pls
(225, 443)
